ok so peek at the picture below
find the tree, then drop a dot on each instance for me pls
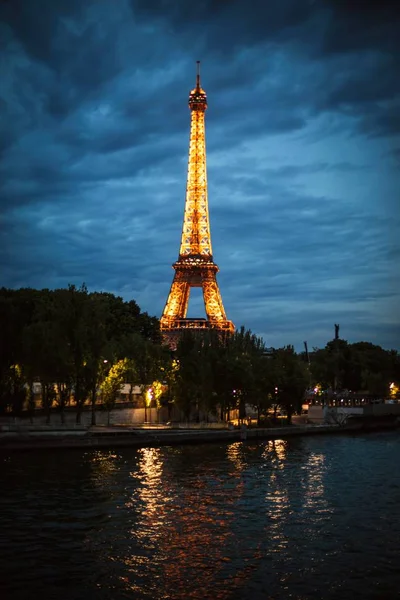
(157, 390)
(74, 320)
(359, 366)
(220, 371)
(97, 346)
(372, 365)
(8, 354)
(264, 384)
(131, 376)
(16, 312)
(291, 379)
(332, 366)
(62, 337)
(15, 390)
(242, 373)
(112, 384)
(145, 361)
(41, 344)
(168, 369)
(187, 377)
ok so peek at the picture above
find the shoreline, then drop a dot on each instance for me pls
(113, 437)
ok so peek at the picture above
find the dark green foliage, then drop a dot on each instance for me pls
(291, 379)
(63, 338)
(359, 366)
(111, 384)
(217, 374)
(70, 340)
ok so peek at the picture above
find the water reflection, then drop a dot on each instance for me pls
(183, 517)
(275, 453)
(196, 539)
(314, 492)
(103, 463)
(149, 491)
(179, 532)
(235, 453)
(271, 520)
(276, 497)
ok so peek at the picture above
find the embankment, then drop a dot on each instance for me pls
(112, 437)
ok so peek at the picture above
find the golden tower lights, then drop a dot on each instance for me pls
(195, 266)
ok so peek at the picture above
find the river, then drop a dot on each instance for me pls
(316, 517)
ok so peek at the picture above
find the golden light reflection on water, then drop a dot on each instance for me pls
(104, 465)
(181, 527)
(235, 454)
(314, 493)
(276, 497)
(197, 540)
(148, 502)
(269, 475)
(276, 452)
(150, 474)
(182, 518)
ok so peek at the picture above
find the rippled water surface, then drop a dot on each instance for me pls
(305, 518)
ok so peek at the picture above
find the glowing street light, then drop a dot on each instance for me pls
(147, 403)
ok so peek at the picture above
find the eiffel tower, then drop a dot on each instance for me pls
(195, 266)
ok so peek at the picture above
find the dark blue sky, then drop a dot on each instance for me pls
(303, 150)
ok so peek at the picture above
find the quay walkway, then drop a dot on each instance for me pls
(14, 437)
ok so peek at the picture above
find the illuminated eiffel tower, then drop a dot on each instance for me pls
(195, 266)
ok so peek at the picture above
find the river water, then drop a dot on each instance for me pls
(316, 517)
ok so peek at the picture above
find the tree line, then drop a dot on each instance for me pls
(81, 345)
(75, 343)
(360, 366)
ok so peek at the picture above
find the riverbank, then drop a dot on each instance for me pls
(80, 437)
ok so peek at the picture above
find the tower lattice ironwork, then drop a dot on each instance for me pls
(195, 266)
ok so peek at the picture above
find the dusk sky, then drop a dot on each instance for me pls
(303, 155)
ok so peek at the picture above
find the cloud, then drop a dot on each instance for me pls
(357, 26)
(302, 142)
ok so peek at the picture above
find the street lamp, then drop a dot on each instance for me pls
(147, 403)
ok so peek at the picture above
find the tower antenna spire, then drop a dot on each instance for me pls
(198, 75)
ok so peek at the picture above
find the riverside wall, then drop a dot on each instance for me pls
(118, 416)
(334, 414)
(80, 437)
